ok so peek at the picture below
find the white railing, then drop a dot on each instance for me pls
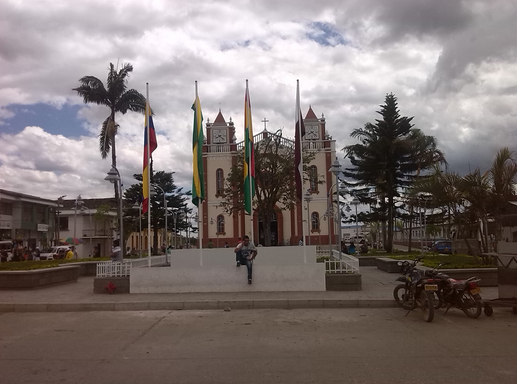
(119, 269)
(347, 263)
(144, 262)
(325, 250)
(113, 268)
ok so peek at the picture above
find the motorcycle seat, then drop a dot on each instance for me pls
(457, 283)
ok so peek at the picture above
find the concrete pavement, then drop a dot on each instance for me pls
(376, 293)
(374, 346)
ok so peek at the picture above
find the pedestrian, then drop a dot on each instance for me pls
(351, 248)
(226, 244)
(116, 251)
(247, 253)
(210, 244)
(76, 256)
(300, 243)
(238, 255)
(69, 254)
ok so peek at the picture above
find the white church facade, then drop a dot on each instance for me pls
(220, 151)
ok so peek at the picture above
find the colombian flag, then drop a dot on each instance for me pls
(249, 155)
(149, 148)
(198, 187)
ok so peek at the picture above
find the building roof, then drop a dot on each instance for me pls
(219, 120)
(311, 115)
(25, 197)
(91, 203)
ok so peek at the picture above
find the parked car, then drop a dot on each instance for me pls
(54, 253)
(444, 246)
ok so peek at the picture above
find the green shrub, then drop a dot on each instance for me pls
(28, 265)
(43, 264)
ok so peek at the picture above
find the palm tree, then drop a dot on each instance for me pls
(117, 98)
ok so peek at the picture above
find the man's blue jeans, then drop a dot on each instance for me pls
(244, 261)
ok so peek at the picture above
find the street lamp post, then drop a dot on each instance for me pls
(355, 202)
(83, 207)
(139, 206)
(175, 215)
(78, 202)
(59, 204)
(166, 214)
(308, 198)
(336, 170)
(114, 178)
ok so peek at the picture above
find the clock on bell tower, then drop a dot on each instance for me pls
(219, 135)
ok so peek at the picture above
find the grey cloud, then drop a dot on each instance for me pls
(391, 47)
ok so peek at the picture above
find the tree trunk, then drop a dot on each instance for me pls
(410, 236)
(389, 244)
(266, 227)
(114, 157)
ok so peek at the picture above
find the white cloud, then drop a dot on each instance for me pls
(450, 63)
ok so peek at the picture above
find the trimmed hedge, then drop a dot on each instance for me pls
(43, 264)
(450, 261)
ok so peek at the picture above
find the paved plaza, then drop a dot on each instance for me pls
(377, 292)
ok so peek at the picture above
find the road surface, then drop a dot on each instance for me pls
(257, 346)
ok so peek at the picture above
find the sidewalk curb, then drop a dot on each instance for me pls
(197, 305)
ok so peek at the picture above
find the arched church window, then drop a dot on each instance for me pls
(220, 224)
(315, 221)
(219, 180)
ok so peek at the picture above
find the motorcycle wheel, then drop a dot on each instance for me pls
(426, 305)
(437, 300)
(471, 307)
(401, 296)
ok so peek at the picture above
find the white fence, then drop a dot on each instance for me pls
(144, 262)
(120, 269)
(347, 263)
(113, 269)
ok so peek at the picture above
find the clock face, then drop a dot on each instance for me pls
(312, 133)
(219, 136)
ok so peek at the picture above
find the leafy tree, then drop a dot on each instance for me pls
(175, 202)
(471, 200)
(274, 180)
(387, 159)
(117, 98)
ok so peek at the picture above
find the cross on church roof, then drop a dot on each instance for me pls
(265, 121)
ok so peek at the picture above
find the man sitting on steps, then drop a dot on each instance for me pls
(247, 252)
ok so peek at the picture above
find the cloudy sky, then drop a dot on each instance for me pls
(449, 62)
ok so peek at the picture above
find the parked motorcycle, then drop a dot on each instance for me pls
(462, 294)
(416, 290)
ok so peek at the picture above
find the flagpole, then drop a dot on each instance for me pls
(297, 119)
(148, 181)
(200, 213)
(249, 164)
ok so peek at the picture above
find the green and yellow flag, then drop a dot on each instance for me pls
(249, 155)
(198, 187)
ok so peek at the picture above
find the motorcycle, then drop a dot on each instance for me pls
(463, 294)
(416, 290)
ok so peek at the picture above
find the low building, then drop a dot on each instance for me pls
(28, 219)
(92, 221)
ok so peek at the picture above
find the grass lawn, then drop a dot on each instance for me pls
(450, 261)
(42, 264)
